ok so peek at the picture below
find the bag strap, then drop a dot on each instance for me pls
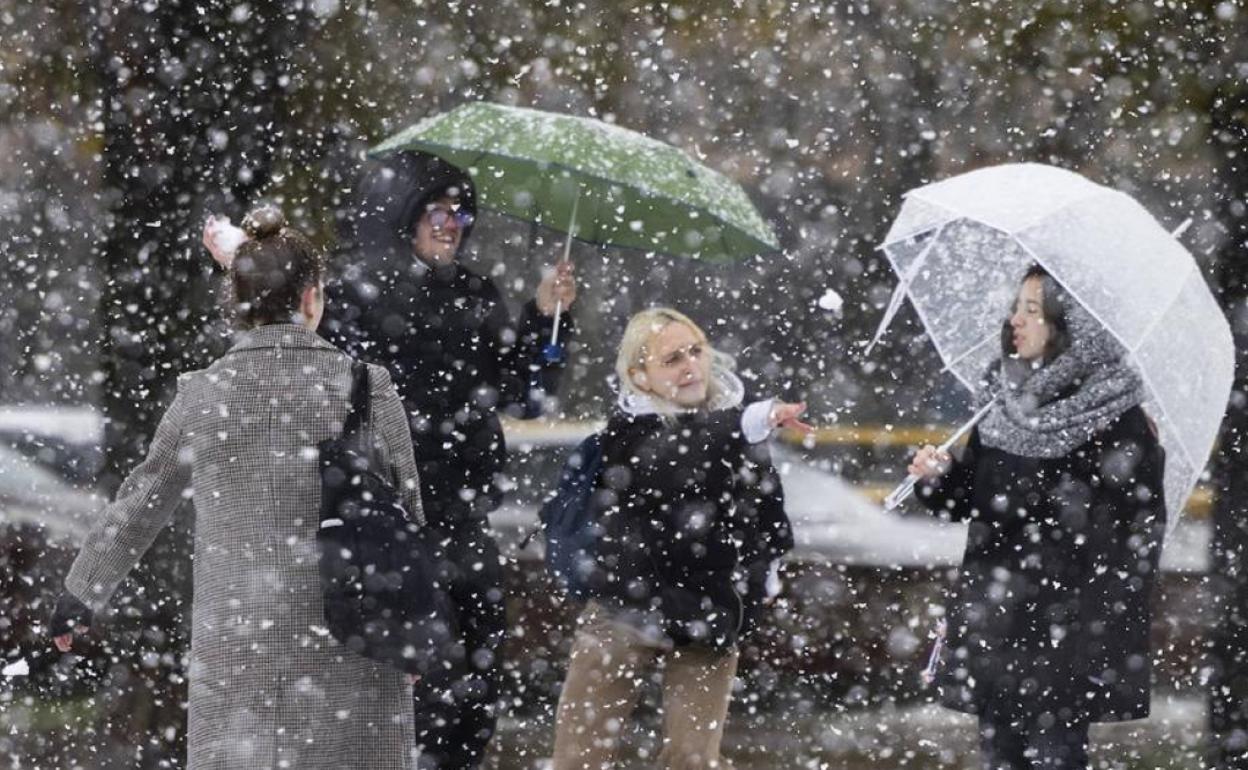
(361, 401)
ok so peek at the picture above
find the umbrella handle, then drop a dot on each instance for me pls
(901, 493)
(554, 333)
(553, 351)
(906, 488)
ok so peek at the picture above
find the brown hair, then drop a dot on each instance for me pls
(272, 268)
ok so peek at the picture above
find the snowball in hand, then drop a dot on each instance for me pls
(222, 239)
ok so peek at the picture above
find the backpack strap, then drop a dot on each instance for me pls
(361, 401)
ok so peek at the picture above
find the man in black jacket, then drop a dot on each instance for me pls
(404, 301)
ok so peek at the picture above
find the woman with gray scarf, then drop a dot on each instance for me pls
(1061, 483)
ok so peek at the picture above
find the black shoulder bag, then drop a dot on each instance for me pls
(385, 578)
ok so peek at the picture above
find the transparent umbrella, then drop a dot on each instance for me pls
(962, 245)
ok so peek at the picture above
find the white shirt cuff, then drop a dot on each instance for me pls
(756, 421)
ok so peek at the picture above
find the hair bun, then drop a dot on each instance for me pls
(264, 221)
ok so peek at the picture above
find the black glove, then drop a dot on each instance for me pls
(755, 596)
(69, 615)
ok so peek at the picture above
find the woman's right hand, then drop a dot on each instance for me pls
(930, 463)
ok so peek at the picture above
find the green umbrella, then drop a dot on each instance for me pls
(596, 182)
(601, 183)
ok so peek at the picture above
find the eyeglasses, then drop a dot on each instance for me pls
(443, 219)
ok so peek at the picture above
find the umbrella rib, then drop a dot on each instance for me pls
(1187, 455)
(927, 228)
(1097, 190)
(1189, 482)
(723, 242)
(966, 353)
(918, 309)
(903, 289)
(597, 216)
(1156, 320)
(942, 224)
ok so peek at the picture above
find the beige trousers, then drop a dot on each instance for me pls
(609, 662)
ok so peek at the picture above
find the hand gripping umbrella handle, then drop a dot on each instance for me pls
(906, 487)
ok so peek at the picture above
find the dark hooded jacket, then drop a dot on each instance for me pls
(457, 358)
(692, 517)
(1051, 610)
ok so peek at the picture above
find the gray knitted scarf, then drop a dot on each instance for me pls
(1050, 410)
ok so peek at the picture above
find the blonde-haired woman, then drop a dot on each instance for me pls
(692, 518)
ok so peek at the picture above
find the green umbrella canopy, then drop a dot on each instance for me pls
(624, 189)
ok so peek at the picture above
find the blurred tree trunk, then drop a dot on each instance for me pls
(192, 111)
(191, 100)
(1228, 575)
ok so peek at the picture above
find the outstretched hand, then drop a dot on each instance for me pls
(785, 415)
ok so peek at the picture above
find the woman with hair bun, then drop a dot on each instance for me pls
(269, 687)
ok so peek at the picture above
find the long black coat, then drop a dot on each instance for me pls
(1051, 610)
(692, 517)
(458, 360)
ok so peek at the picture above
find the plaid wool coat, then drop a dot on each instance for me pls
(269, 688)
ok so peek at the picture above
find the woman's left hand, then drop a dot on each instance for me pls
(222, 240)
(784, 415)
(558, 285)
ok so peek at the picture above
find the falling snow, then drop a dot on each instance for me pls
(812, 184)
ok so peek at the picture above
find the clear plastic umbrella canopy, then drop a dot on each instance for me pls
(962, 245)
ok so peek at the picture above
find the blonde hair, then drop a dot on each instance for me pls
(641, 328)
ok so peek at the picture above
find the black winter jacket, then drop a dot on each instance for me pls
(692, 517)
(1051, 609)
(457, 360)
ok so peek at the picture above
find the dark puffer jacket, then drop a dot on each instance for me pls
(692, 517)
(457, 361)
(1052, 606)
